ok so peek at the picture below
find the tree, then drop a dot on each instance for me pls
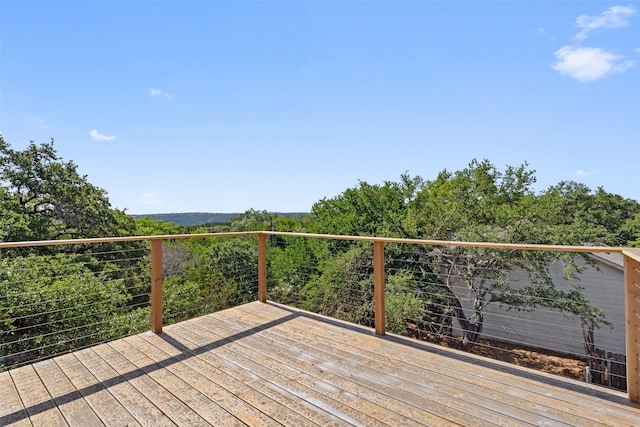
(631, 228)
(50, 304)
(366, 210)
(581, 216)
(43, 197)
(252, 220)
(146, 226)
(479, 203)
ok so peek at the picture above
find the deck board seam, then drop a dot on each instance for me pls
(263, 378)
(269, 378)
(418, 348)
(160, 386)
(46, 405)
(183, 361)
(223, 386)
(71, 398)
(336, 385)
(160, 370)
(207, 361)
(352, 343)
(470, 414)
(96, 384)
(116, 379)
(544, 391)
(21, 414)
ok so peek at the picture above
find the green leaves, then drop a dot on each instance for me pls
(49, 304)
(44, 198)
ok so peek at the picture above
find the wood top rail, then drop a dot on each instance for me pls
(634, 253)
(118, 239)
(488, 245)
(631, 255)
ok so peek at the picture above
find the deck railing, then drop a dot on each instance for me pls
(380, 262)
(632, 315)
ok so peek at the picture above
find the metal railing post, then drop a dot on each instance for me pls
(378, 286)
(632, 317)
(156, 286)
(262, 267)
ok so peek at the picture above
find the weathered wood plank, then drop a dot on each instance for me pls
(110, 411)
(70, 402)
(11, 410)
(38, 402)
(140, 354)
(279, 388)
(437, 391)
(557, 400)
(265, 364)
(343, 369)
(553, 400)
(251, 405)
(278, 367)
(166, 401)
(120, 387)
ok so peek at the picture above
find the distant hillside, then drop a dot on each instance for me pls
(199, 218)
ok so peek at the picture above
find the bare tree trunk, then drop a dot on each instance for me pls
(470, 330)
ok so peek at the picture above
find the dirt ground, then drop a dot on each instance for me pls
(541, 360)
(534, 358)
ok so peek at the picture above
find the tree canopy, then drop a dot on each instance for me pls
(43, 197)
(482, 203)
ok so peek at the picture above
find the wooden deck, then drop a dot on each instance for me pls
(266, 364)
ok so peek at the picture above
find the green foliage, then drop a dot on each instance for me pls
(576, 215)
(343, 286)
(367, 210)
(44, 198)
(479, 203)
(51, 303)
(292, 262)
(146, 226)
(631, 229)
(252, 220)
(204, 275)
(403, 302)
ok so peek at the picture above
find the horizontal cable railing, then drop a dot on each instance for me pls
(53, 303)
(492, 299)
(60, 296)
(558, 308)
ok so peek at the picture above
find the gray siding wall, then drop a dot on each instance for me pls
(603, 287)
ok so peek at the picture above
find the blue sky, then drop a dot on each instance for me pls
(225, 106)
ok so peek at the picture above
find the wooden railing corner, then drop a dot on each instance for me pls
(632, 316)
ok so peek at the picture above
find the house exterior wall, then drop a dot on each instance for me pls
(603, 286)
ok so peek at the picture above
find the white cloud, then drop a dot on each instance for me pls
(580, 172)
(159, 93)
(586, 64)
(614, 17)
(97, 136)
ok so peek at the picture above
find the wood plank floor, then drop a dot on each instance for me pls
(266, 364)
